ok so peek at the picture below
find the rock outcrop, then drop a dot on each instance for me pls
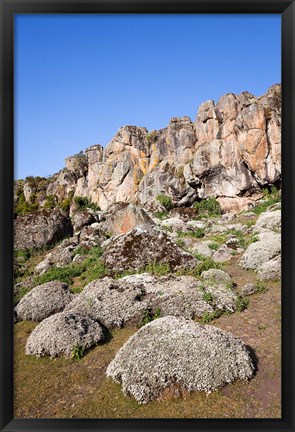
(231, 151)
(174, 352)
(42, 228)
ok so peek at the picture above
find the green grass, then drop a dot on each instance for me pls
(165, 200)
(150, 316)
(270, 197)
(161, 215)
(206, 263)
(208, 207)
(241, 304)
(196, 233)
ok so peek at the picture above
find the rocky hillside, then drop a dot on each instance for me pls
(232, 151)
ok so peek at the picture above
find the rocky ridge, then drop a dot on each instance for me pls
(231, 151)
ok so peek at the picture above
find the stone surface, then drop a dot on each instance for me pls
(39, 229)
(249, 289)
(217, 276)
(42, 301)
(267, 247)
(123, 217)
(131, 299)
(174, 352)
(62, 333)
(231, 151)
(270, 220)
(142, 246)
(270, 270)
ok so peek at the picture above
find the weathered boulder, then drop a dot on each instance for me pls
(142, 246)
(42, 228)
(203, 248)
(267, 247)
(269, 220)
(82, 219)
(222, 254)
(123, 217)
(174, 352)
(42, 301)
(270, 270)
(131, 299)
(248, 289)
(62, 333)
(59, 256)
(216, 276)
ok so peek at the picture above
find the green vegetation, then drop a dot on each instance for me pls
(165, 200)
(210, 316)
(77, 352)
(270, 197)
(160, 215)
(83, 203)
(213, 246)
(261, 288)
(244, 240)
(158, 269)
(50, 202)
(150, 316)
(206, 263)
(23, 207)
(242, 304)
(152, 137)
(208, 297)
(208, 207)
(196, 233)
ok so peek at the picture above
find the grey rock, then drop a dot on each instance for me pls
(61, 333)
(270, 270)
(172, 351)
(267, 247)
(216, 276)
(270, 220)
(39, 229)
(42, 301)
(248, 289)
(222, 254)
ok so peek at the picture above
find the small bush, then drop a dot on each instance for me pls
(241, 304)
(149, 316)
(209, 316)
(160, 215)
(50, 202)
(83, 203)
(208, 207)
(206, 263)
(214, 246)
(77, 352)
(196, 233)
(208, 297)
(165, 200)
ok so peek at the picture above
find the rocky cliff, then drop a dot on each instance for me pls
(232, 151)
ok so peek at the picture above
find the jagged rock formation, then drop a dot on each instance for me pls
(231, 151)
(174, 352)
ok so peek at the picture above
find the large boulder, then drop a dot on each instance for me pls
(42, 228)
(270, 220)
(122, 217)
(63, 333)
(42, 301)
(133, 299)
(267, 247)
(174, 352)
(142, 246)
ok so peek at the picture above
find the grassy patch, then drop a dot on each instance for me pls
(270, 197)
(196, 233)
(242, 304)
(160, 215)
(165, 200)
(150, 316)
(208, 207)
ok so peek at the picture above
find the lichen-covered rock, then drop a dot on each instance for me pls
(42, 301)
(174, 352)
(248, 289)
(40, 229)
(203, 248)
(144, 245)
(62, 333)
(216, 276)
(112, 302)
(119, 302)
(270, 270)
(82, 219)
(270, 220)
(222, 254)
(59, 256)
(267, 247)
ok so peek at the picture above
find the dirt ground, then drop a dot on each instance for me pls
(67, 388)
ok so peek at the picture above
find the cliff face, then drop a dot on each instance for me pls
(231, 151)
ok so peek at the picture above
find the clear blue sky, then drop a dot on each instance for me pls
(79, 78)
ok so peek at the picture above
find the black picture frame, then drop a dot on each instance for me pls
(8, 9)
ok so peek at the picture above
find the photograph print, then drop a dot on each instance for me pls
(147, 216)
